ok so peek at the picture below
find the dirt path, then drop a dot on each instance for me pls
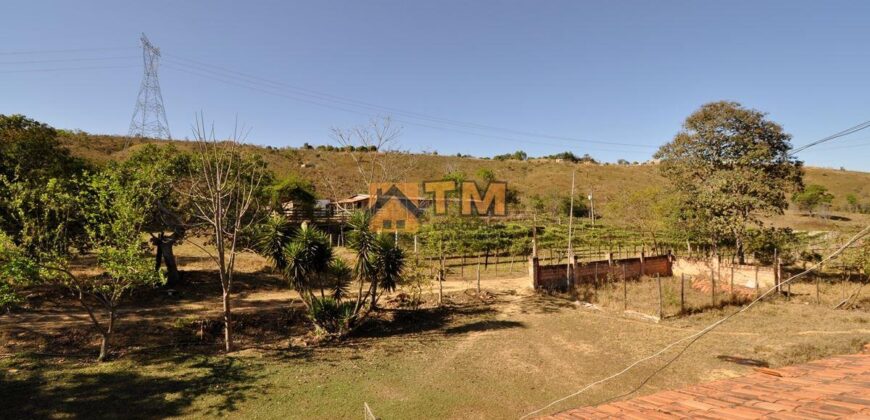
(57, 315)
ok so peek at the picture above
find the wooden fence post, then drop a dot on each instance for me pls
(642, 255)
(624, 289)
(661, 302)
(776, 272)
(757, 286)
(533, 270)
(732, 280)
(595, 271)
(682, 293)
(713, 286)
(478, 276)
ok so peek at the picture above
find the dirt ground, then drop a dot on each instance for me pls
(499, 355)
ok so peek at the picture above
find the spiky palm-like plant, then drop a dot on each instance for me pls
(389, 261)
(273, 236)
(363, 241)
(308, 256)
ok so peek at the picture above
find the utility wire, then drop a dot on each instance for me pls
(696, 336)
(271, 91)
(202, 66)
(837, 135)
(63, 60)
(68, 68)
(35, 52)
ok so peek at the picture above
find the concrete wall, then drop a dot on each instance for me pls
(744, 275)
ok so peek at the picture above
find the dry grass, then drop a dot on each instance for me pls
(334, 175)
(498, 357)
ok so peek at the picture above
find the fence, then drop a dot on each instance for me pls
(725, 272)
(557, 276)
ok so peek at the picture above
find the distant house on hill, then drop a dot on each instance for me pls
(348, 205)
(395, 207)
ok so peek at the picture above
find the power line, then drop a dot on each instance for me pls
(63, 60)
(202, 66)
(35, 52)
(696, 336)
(67, 69)
(837, 135)
(270, 91)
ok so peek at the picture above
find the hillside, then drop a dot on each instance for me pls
(335, 175)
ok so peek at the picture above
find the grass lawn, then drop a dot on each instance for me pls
(499, 358)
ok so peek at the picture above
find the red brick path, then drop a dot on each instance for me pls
(838, 387)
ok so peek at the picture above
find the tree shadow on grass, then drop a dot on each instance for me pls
(485, 325)
(398, 322)
(34, 393)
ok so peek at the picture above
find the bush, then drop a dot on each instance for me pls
(331, 315)
(518, 155)
(763, 243)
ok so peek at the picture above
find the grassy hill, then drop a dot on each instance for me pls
(334, 174)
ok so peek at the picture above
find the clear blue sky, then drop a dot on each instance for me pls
(610, 71)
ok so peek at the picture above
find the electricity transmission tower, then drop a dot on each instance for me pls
(149, 117)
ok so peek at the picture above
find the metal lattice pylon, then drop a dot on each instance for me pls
(149, 117)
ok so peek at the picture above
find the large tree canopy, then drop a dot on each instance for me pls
(732, 165)
(29, 149)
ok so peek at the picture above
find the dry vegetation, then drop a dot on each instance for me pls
(497, 356)
(333, 173)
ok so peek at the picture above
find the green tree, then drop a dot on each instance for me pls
(33, 166)
(732, 165)
(518, 155)
(812, 198)
(292, 189)
(852, 200)
(650, 211)
(456, 176)
(154, 172)
(30, 150)
(486, 175)
(581, 209)
(112, 230)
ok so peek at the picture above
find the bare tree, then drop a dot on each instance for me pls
(224, 193)
(376, 151)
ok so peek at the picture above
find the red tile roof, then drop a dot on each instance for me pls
(836, 387)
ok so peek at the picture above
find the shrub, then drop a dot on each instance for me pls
(331, 315)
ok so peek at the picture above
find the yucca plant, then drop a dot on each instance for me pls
(308, 256)
(389, 262)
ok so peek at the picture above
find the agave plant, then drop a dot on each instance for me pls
(363, 241)
(273, 236)
(389, 262)
(308, 256)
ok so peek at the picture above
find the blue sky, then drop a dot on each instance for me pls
(625, 72)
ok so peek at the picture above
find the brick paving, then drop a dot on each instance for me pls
(833, 388)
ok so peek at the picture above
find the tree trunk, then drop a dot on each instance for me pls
(228, 323)
(173, 276)
(105, 335)
(104, 347)
(164, 254)
(374, 294)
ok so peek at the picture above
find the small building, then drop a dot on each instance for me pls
(348, 205)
